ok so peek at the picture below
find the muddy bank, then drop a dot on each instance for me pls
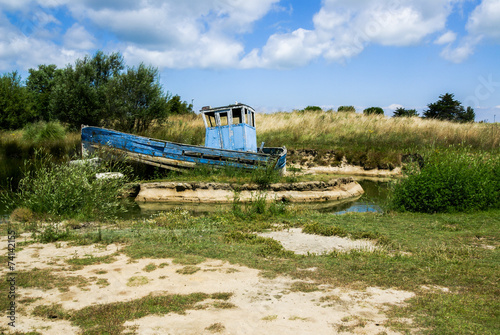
(314, 191)
(351, 170)
(310, 161)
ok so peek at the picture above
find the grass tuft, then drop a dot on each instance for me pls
(188, 270)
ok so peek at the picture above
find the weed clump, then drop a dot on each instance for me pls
(324, 230)
(44, 131)
(66, 190)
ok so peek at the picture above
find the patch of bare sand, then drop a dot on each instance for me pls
(295, 240)
(262, 305)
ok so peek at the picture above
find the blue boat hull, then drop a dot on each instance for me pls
(177, 156)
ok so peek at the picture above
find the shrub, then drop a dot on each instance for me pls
(449, 182)
(313, 109)
(349, 109)
(67, 190)
(402, 112)
(373, 110)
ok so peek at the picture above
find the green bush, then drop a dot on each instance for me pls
(373, 110)
(402, 112)
(451, 181)
(349, 109)
(313, 109)
(67, 190)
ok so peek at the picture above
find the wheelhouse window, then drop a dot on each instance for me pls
(250, 118)
(211, 120)
(223, 119)
(238, 115)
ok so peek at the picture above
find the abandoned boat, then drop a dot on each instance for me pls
(230, 140)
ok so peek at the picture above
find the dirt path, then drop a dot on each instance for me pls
(259, 305)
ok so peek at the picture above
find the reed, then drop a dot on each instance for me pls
(188, 129)
(18, 146)
(375, 132)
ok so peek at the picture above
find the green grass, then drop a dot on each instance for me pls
(188, 270)
(456, 251)
(448, 250)
(90, 260)
(109, 318)
(150, 267)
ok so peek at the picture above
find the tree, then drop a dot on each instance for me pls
(79, 95)
(373, 110)
(447, 108)
(401, 112)
(15, 105)
(40, 83)
(135, 99)
(96, 90)
(176, 106)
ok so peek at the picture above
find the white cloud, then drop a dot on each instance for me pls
(208, 53)
(483, 24)
(208, 33)
(485, 20)
(343, 28)
(178, 34)
(20, 51)
(286, 50)
(395, 106)
(76, 37)
(458, 54)
(446, 38)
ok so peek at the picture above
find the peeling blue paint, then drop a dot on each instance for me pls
(230, 140)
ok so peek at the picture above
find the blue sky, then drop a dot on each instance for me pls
(276, 54)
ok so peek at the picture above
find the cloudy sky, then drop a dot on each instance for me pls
(276, 54)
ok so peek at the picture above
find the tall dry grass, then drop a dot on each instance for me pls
(352, 130)
(188, 129)
(345, 131)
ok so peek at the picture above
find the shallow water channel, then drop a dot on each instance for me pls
(371, 201)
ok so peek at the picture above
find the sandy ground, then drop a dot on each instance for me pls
(293, 239)
(262, 305)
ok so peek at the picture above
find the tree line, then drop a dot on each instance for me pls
(446, 108)
(97, 90)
